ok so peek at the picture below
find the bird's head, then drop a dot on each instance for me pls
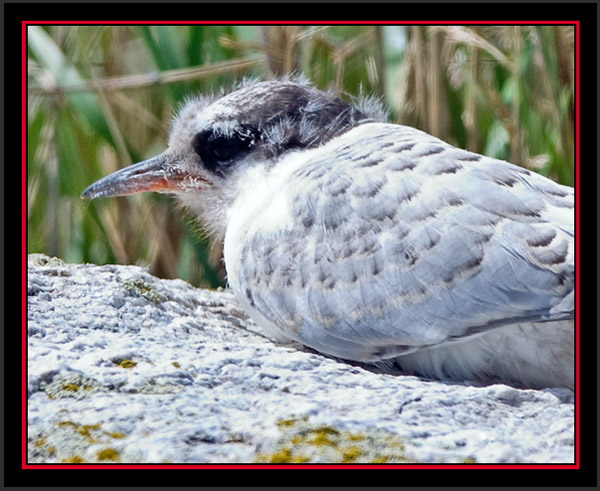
(215, 140)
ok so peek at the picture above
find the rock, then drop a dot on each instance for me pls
(125, 367)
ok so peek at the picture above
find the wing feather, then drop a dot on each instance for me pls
(401, 241)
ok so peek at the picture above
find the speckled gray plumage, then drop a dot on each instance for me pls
(401, 241)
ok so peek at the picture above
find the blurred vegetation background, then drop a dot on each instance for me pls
(102, 97)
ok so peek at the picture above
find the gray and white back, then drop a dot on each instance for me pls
(387, 245)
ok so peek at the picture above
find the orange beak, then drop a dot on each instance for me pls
(150, 175)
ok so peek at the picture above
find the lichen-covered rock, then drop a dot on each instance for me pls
(125, 367)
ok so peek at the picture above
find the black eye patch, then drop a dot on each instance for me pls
(218, 150)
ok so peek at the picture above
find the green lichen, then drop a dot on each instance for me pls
(68, 440)
(140, 287)
(150, 386)
(73, 386)
(43, 260)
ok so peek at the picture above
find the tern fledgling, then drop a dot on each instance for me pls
(371, 241)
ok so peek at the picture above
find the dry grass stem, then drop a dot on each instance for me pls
(469, 37)
(154, 78)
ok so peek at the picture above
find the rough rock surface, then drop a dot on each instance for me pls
(125, 367)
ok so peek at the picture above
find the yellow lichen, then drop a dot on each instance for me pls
(327, 430)
(284, 456)
(85, 430)
(357, 437)
(70, 387)
(75, 459)
(320, 439)
(382, 459)
(126, 364)
(108, 454)
(116, 435)
(63, 424)
(350, 454)
(286, 422)
(321, 435)
(302, 442)
(300, 459)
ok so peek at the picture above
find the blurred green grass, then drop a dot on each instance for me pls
(102, 97)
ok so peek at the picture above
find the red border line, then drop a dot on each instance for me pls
(577, 316)
(24, 235)
(303, 22)
(27, 466)
(302, 466)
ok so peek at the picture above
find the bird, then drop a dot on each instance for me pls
(373, 242)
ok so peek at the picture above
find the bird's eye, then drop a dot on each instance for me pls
(217, 150)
